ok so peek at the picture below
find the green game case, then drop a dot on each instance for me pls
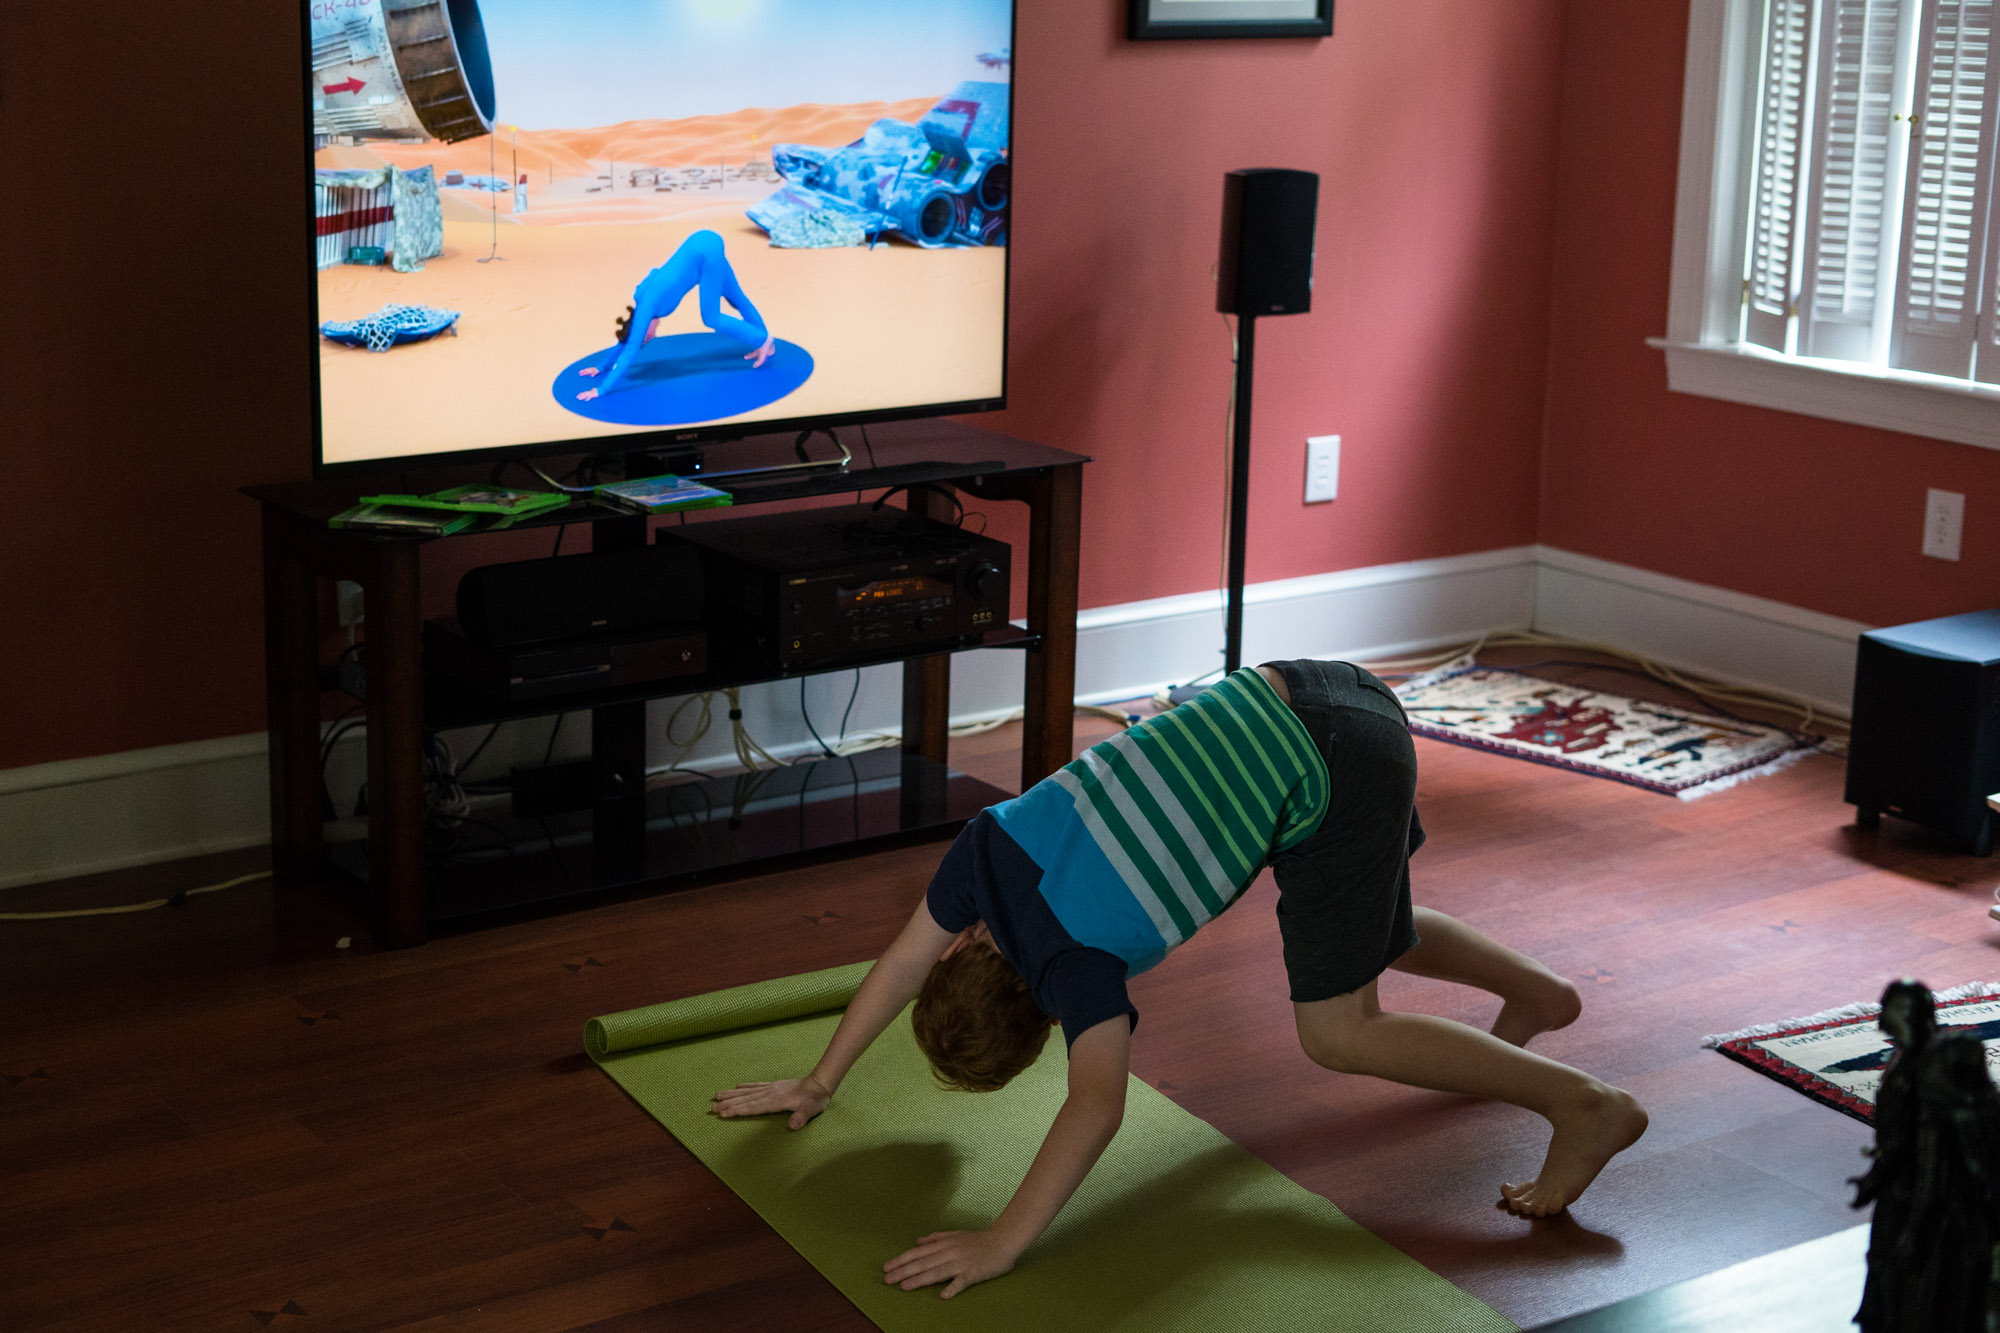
(477, 499)
(366, 517)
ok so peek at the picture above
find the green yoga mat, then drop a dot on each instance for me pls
(1175, 1228)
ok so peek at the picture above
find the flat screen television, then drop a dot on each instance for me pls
(546, 226)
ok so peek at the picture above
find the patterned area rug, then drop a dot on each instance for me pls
(1656, 746)
(1837, 1056)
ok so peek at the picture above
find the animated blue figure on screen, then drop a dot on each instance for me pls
(653, 379)
(698, 265)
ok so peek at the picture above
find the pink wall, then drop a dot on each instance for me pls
(1425, 346)
(1810, 512)
(149, 260)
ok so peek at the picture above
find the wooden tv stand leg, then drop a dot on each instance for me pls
(391, 592)
(298, 554)
(291, 701)
(926, 706)
(1055, 522)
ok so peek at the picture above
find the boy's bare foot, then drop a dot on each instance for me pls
(1555, 1005)
(1596, 1126)
(588, 370)
(586, 395)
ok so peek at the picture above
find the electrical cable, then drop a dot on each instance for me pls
(479, 749)
(338, 728)
(551, 481)
(748, 751)
(947, 492)
(171, 900)
(852, 694)
(806, 713)
(549, 750)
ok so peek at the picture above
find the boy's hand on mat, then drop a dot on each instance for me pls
(963, 1257)
(803, 1097)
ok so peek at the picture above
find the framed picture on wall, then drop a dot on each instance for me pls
(1155, 19)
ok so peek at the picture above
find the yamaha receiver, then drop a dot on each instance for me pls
(812, 587)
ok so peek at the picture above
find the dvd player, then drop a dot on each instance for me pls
(522, 672)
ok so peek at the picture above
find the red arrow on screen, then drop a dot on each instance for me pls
(348, 85)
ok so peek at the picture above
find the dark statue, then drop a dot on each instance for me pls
(1934, 1179)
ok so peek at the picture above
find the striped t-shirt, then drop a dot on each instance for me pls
(1149, 835)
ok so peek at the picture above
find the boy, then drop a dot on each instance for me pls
(1047, 903)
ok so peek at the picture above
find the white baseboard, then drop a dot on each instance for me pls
(1727, 635)
(81, 816)
(110, 812)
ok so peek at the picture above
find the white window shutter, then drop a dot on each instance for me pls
(1780, 166)
(1945, 204)
(1856, 172)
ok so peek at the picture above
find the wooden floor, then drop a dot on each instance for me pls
(213, 1118)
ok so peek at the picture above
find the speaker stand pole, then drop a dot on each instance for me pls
(1239, 494)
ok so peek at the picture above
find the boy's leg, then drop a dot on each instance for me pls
(1535, 1000)
(1592, 1122)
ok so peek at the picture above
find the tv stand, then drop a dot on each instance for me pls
(631, 839)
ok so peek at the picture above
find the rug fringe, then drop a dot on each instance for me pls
(1971, 990)
(1763, 770)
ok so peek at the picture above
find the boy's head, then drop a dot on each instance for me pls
(974, 1019)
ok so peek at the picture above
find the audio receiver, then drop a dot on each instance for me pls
(812, 587)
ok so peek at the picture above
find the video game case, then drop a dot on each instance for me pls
(366, 517)
(475, 499)
(656, 495)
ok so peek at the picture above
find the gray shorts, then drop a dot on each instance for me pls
(1344, 891)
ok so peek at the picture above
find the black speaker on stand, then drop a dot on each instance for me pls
(1265, 268)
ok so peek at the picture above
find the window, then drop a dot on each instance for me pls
(1836, 247)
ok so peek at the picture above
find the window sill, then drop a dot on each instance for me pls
(1895, 400)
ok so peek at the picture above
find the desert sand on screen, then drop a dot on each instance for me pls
(886, 325)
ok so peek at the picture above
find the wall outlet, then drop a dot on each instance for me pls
(347, 602)
(1944, 523)
(1322, 468)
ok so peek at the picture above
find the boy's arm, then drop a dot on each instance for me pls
(1099, 1067)
(894, 980)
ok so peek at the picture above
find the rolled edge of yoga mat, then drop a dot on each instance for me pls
(724, 1010)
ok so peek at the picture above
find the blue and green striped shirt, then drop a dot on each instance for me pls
(1149, 835)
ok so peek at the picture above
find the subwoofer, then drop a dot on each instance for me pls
(1926, 740)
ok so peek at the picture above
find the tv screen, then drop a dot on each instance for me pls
(543, 225)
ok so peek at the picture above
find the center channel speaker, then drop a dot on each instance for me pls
(1266, 265)
(578, 596)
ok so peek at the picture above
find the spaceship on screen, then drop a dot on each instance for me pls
(400, 69)
(943, 181)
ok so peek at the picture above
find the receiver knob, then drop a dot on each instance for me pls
(982, 580)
